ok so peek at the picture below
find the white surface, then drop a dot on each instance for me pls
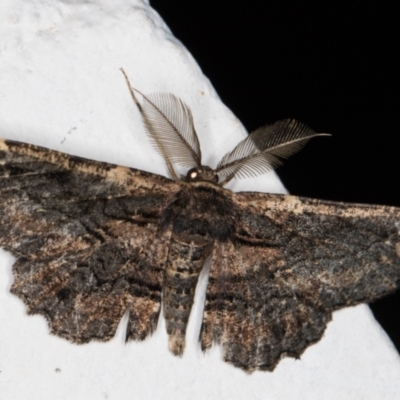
(61, 88)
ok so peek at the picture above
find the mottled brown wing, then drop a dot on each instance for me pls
(87, 240)
(272, 291)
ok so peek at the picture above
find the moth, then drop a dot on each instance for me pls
(93, 240)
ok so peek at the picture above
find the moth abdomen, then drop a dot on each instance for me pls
(185, 261)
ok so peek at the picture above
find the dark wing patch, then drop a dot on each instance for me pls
(256, 318)
(87, 240)
(294, 261)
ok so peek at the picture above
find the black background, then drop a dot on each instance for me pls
(331, 65)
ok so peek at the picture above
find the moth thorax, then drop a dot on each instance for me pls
(202, 173)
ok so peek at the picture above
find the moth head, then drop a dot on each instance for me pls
(169, 124)
(202, 173)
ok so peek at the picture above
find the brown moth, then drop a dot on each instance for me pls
(93, 240)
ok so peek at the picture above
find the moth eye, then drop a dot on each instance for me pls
(192, 174)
